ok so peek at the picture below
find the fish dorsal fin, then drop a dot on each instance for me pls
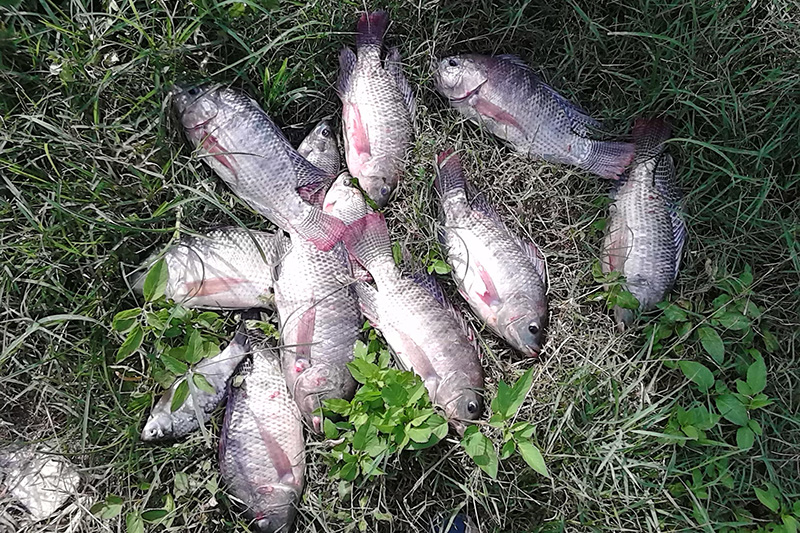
(514, 59)
(479, 202)
(537, 259)
(434, 288)
(394, 66)
(649, 136)
(578, 117)
(347, 65)
(664, 182)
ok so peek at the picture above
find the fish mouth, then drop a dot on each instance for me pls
(467, 96)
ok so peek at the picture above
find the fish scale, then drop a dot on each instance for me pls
(262, 449)
(645, 234)
(508, 98)
(237, 139)
(501, 277)
(377, 113)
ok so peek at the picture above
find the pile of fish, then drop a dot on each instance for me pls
(330, 263)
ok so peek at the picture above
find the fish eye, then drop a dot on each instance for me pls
(194, 91)
(385, 190)
(326, 132)
(453, 62)
(472, 407)
(533, 327)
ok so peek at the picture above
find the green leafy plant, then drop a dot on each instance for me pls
(614, 293)
(390, 412)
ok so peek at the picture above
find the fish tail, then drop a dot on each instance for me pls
(649, 135)
(371, 28)
(322, 230)
(449, 173)
(609, 159)
(367, 239)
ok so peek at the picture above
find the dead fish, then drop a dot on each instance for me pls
(505, 95)
(320, 322)
(40, 479)
(261, 449)
(164, 424)
(646, 233)
(321, 149)
(227, 268)
(502, 277)
(378, 110)
(424, 331)
(249, 152)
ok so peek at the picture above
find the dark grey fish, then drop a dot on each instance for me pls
(502, 277)
(378, 110)
(646, 233)
(505, 95)
(262, 449)
(249, 152)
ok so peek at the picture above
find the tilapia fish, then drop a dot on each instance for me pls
(227, 268)
(321, 149)
(505, 95)
(261, 449)
(320, 322)
(424, 331)
(378, 110)
(237, 139)
(164, 424)
(344, 200)
(501, 276)
(645, 232)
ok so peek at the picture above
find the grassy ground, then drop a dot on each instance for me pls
(95, 176)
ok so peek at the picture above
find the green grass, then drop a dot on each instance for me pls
(96, 176)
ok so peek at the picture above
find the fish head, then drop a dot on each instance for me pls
(158, 426)
(522, 321)
(197, 105)
(276, 509)
(459, 77)
(315, 384)
(461, 401)
(623, 317)
(321, 141)
(344, 200)
(375, 178)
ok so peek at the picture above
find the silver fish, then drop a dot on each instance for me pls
(164, 424)
(426, 334)
(249, 152)
(378, 110)
(321, 149)
(344, 200)
(502, 277)
(320, 322)
(262, 449)
(646, 233)
(505, 95)
(227, 268)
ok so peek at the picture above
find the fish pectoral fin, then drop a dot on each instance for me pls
(490, 295)
(499, 115)
(209, 287)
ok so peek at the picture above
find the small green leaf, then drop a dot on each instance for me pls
(757, 376)
(755, 427)
(202, 383)
(132, 342)
(509, 399)
(732, 409)
(533, 457)
(394, 395)
(360, 350)
(734, 320)
(420, 435)
(712, 343)
(481, 449)
(330, 429)
(697, 373)
(180, 484)
(110, 508)
(156, 281)
(364, 436)
(770, 342)
(508, 449)
(745, 438)
(154, 515)
(627, 300)
(173, 365)
(194, 347)
(769, 501)
(134, 522)
(124, 320)
(789, 523)
(673, 313)
(181, 393)
(337, 405)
